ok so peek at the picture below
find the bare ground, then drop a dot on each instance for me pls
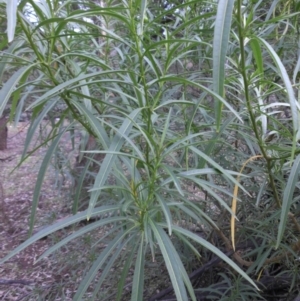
(20, 278)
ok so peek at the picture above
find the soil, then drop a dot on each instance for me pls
(20, 277)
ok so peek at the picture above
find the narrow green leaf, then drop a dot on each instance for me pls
(271, 10)
(202, 87)
(179, 144)
(107, 270)
(217, 166)
(94, 123)
(138, 277)
(79, 186)
(261, 258)
(297, 68)
(289, 89)
(194, 249)
(256, 51)
(11, 13)
(9, 87)
(35, 124)
(177, 260)
(76, 82)
(170, 102)
(212, 143)
(220, 44)
(40, 178)
(109, 265)
(170, 261)
(84, 88)
(109, 159)
(166, 211)
(173, 178)
(143, 16)
(102, 259)
(154, 65)
(125, 270)
(215, 250)
(165, 130)
(81, 232)
(177, 272)
(206, 186)
(287, 198)
(59, 225)
(131, 142)
(195, 212)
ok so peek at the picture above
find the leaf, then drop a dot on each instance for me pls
(9, 87)
(289, 89)
(81, 232)
(271, 10)
(59, 225)
(102, 259)
(143, 16)
(217, 166)
(256, 51)
(220, 44)
(35, 124)
(215, 250)
(107, 270)
(109, 159)
(166, 211)
(202, 87)
(287, 198)
(296, 69)
(84, 88)
(73, 83)
(165, 130)
(40, 178)
(173, 178)
(168, 251)
(94, 124)
(11, 12)
(125, 270)
(138, 277)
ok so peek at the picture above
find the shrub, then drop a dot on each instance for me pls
(190, 104)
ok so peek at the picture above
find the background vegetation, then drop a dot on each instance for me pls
(188, 114)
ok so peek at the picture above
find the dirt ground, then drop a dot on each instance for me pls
(20, 278)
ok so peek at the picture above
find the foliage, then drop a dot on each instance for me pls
(175, 108)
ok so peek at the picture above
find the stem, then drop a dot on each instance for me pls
(248, 103)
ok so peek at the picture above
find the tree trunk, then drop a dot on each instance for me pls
(3, 133)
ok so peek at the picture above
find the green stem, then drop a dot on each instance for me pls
(248, 103)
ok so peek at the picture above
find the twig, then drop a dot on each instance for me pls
(24, 296)
(9, 158)
(15, 281)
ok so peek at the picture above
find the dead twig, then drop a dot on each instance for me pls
(9, 158)
(15, 281)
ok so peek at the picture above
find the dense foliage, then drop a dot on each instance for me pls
(189, 123)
